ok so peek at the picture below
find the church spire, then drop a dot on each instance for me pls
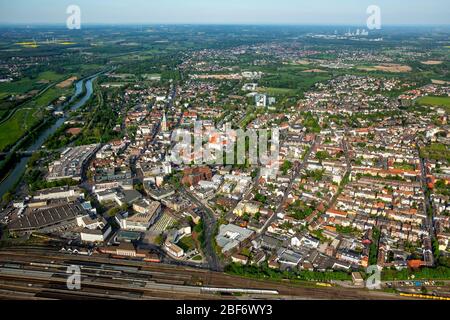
(164, 127)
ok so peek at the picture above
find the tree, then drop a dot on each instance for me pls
(139, 187)
(287, 165)
(373, 250)
(7, 197)
(260, 198)
(322, 155)
(113, 212)
(159, 240)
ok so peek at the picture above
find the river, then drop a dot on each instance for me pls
(20, 168)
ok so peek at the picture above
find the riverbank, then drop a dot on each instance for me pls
(17, 168)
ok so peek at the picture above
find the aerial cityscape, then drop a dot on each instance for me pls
(191, 159)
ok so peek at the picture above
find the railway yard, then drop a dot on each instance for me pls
(35, 273)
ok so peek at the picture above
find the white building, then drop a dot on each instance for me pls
(59, 193)
(94, 229)
(173, 249)
(147, 214)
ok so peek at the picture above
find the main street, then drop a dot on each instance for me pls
(429, 258)
(298, 167)
(209, 225)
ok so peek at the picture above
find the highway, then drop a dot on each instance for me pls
(40, 273)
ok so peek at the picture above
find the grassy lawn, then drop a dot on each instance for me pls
(436, 151)
(13, 129)
(27, 116)
(197, 258)
(51, 76)
(49, 96)
(278, 91)
(151, 75)
(17, 87)
(25, 85)
(435, 101)
(187, 244)
(404, 166)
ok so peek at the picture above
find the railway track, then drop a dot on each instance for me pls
(118, 278)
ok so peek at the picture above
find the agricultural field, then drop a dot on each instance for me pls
(288, 82)
(18, 87)
(435, 101)
(278, 91)
(390, 68)
(22, 119)
(25, 85)
(14, 128)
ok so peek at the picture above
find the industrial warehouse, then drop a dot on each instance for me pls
(49, 219)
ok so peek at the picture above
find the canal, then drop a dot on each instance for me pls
(19, 169)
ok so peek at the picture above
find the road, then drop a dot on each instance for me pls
(348, 159)
(348, 171)
(208, 216)
(294, 175)
(429, 257)
(210, 225)
(427, 201)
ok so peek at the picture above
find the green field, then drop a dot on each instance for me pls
(278, 91)
(292, 79)
(14, 128)
(49, 96)
(435, 101)
(25, 85)
(51, 76)
(28, 115)
(17, 87)
(436, 151)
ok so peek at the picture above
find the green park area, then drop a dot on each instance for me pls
(436, 151)
(187, 244)
(278, 91)
(435, 101)
(16, 121)
(26, 84)
(291, 80)
(14, 128)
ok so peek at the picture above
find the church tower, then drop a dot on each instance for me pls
(164, 127)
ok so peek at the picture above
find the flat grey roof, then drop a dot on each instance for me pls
(47, 217)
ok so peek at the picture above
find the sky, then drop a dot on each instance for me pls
(300, 12)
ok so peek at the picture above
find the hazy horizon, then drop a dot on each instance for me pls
(230, 12)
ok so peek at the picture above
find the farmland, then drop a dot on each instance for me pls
(435, 101)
